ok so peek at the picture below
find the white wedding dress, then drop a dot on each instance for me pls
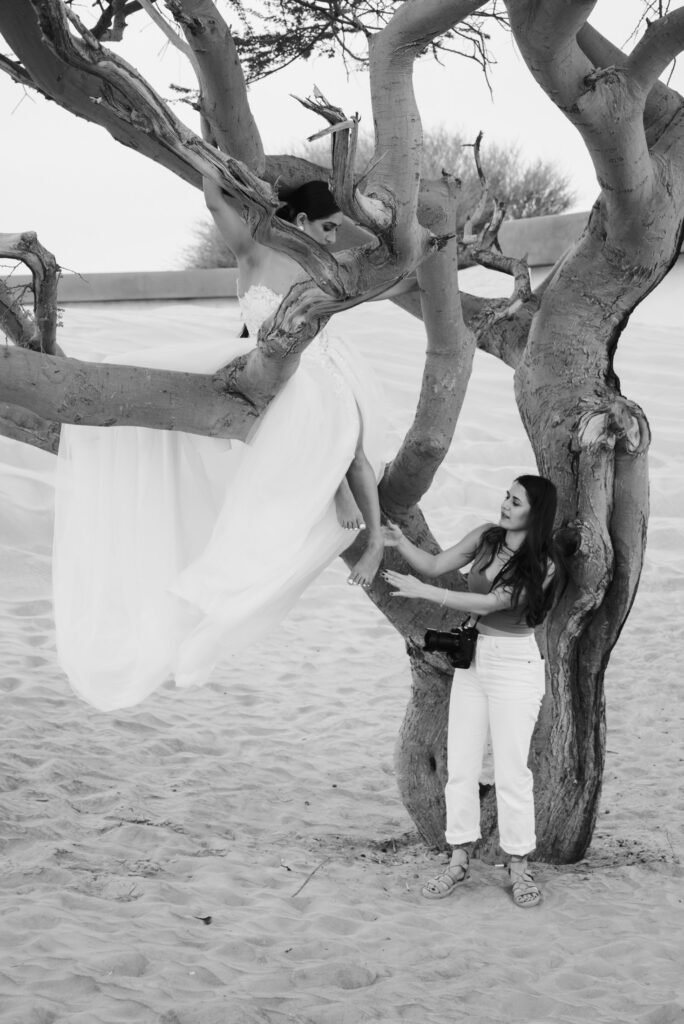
(173, 550)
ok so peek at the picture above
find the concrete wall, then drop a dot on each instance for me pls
(156, 285)
(542, 239)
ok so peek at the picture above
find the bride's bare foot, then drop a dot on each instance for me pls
(348, 513)
(367, 566)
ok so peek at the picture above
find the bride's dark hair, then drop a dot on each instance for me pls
(527, 569)
(313, 198)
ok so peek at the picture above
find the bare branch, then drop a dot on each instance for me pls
(43, 266)
(478, 213)
(14, 70)
(112, 22)
(15, 320)
(483, 248)
(278, 33)
(162, 24)
(369, 213)
(517, 268)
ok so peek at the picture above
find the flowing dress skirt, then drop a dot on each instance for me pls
(172, 551)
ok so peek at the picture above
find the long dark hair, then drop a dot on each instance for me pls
(313, 198)
(527, 568)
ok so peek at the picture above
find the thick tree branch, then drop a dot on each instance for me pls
(93, 82)
(114, 86)
(131, 110)
(111, 24)
(660, 44)
(104, 394)
(81, 91)
(499, 335)
(394, 181)
(603, 103)
(501, 328)
(546, 34)
(398, 128)
(449, 358)
(662, 103)
(223, 92)
(99, 100)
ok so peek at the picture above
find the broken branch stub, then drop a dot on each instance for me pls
(25, 248)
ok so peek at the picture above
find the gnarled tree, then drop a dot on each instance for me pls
(561, 339)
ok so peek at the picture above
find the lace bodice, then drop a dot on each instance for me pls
(256, 305)
(260, 302)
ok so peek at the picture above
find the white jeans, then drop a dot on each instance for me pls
(502, 690)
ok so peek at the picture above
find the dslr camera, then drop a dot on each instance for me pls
(458, 644)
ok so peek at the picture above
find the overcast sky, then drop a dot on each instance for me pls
(99, 206)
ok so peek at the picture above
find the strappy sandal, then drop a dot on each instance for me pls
(445, 883)
(525, 891)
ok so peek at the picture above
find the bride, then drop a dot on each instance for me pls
(172, 550)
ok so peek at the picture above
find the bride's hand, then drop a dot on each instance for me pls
(406, 586)
(391, 534)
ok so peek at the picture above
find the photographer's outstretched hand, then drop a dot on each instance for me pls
(406, 586)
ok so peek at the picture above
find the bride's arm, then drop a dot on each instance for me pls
(230, 224)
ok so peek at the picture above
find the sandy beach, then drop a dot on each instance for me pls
(239, 854)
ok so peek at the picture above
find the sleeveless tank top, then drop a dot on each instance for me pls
(507, 620)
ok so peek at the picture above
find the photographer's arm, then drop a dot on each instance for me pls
(430, 565)
(456, 600)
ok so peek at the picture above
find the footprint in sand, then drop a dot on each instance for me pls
(347, 976)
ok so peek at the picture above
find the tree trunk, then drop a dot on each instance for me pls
(589, 439)
(594, 443)
(420, 752)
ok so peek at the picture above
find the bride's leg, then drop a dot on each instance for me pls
(348, 512)
(363, 487)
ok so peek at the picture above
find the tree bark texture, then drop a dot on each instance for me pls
(588, 437)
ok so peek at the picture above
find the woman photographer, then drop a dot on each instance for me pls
(510, 590)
